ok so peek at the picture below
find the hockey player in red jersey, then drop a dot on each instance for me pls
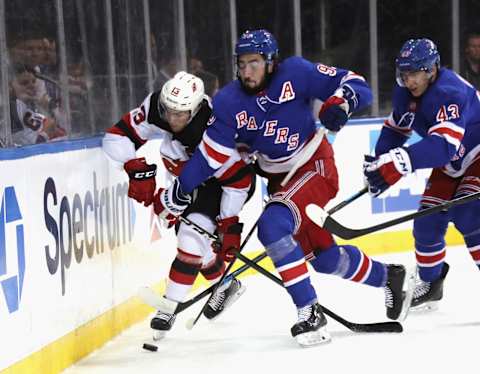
(179, 114)
(267, 110)
(444, 110)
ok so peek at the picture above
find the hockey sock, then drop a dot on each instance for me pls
(430, 260)
(349, 262)
(275, 229)
(183, 272)
(213, 270)
(473, 245)
(429, 233)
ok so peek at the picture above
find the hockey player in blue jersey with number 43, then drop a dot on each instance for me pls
(267, 112)
(444, 110)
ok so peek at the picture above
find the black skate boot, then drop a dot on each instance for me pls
(394, 295)
(164, 319)
(427, 294)
(225, 296)
(310, 328)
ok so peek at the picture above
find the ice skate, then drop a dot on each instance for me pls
(310, 328)
(427, 294)
(397, 300)
(164, 319)
(225, 296)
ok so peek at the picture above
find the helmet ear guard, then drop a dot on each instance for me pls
(416, 55)
(184, 92)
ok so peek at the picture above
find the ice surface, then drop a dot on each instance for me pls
(253, 336)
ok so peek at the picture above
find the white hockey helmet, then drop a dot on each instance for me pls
(184, 92)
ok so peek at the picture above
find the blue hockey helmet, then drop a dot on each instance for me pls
(417, 55)
(257, 41)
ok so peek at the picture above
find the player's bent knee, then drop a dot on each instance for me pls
(467, 218)
(281, 248)
(326, 261)
(336, 260)
(275, 223)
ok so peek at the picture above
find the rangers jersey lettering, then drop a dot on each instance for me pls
(274, 124)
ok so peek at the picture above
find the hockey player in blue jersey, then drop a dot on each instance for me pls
(267, 112)
(444, 110)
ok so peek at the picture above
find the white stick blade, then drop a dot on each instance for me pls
(190, 323)
(316, 214)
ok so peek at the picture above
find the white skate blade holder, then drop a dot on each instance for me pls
(158, 335)
(429, 306)
(408, 288)
(313, 338)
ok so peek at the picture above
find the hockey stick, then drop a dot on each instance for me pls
(214, 287)
(192, 322)
(335, 209)
(323, 219)
(155, 300)
(349, 200)
(355, 327)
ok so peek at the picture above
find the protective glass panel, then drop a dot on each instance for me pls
(336, 33)
(273, 15)
(470, 41)
(209, 53)
(85, 36)
(164, 40)
(36, 110)
(399, 21)
(130, 52)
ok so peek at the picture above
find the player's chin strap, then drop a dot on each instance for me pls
(323, 219)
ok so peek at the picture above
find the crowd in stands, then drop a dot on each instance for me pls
(38, 115)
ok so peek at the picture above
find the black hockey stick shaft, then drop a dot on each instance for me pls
(335, 209)
(349, 200)
(182, 306)
(347, 233)
(355, 327)
(225, 274)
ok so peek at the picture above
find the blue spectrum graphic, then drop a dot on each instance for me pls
(405, 200)
(12, 284)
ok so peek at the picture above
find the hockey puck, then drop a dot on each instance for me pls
(150, 347)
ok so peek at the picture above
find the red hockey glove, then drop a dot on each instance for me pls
(142, 180)
(168, 220)
(170, 203)
(173, 166)
(336, 110)
(385, 170)
(229, 232)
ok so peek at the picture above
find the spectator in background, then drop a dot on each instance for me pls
(168, 68)
(38, 53)
(78, 86)
(195, 66)
(29, 125)
(471, 66)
